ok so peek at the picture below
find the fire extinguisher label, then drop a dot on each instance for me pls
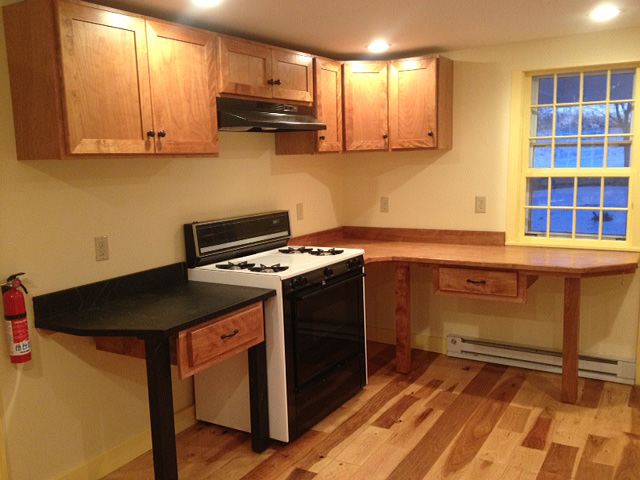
(18, 337)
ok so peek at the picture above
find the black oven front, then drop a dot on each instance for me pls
(325, 342)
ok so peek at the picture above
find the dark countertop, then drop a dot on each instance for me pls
(163, 310)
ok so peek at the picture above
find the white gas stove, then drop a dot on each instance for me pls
(314, 326)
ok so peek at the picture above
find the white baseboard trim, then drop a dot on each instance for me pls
(126, 451)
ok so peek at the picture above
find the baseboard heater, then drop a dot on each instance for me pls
(619, 371)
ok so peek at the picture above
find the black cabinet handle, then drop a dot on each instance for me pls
(430, 133)
(270, 81)
(277, 82)
(229, 335)
(477, 282)
(322, 137)
(151, 133)
(162, 134)
(384, 135)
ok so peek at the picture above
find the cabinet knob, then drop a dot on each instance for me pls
(384, 135)
(430, 133)
(151, 133)
(322, 137)
(162, 134)
(277, 82)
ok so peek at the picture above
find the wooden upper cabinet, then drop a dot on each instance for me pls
(244, 68)
(111, 83)
(420, 98)
(329, 105)
(106, 82)
(293, 76)
(248, 69)
(183, 90)
(365, 106)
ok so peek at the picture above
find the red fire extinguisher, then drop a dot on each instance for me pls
(15, 314)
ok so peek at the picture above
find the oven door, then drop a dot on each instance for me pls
(328, 325)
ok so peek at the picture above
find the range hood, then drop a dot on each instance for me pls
(249, 116)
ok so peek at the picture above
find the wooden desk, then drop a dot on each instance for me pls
(526, 262)
(155, 306)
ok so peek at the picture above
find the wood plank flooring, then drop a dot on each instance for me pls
(447, 419)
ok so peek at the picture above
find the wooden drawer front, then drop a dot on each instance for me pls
(212, 342)
(484, 282)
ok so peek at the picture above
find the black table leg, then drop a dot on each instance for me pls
(163, 433)
(259, 397)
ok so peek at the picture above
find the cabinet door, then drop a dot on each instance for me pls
(182, 63)
(106, 81)
(413, 103)
(329, 105)
(293, 76)
(365, 105)
(244, 68)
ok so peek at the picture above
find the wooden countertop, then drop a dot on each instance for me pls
(536, 260)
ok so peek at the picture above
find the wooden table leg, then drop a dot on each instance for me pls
(570, 337)
(163, 433)
(403, 320)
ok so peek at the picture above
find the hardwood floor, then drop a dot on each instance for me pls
(447, 419)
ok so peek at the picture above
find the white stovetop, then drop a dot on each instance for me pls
(297, 263)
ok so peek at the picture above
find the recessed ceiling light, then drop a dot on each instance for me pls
(206, 3)
(604, 12)
(378, 46)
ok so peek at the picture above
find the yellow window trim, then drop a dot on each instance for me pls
(519, 167)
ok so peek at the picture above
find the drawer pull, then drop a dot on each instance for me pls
(229, 335)
(477, 282)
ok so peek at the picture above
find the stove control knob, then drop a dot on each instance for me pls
(303, 281)
(354, 263)
(295, 283)
(328, 271)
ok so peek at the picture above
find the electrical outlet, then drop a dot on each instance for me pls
(102, 248)
(384, 204)
(299, 211)
(481, 204)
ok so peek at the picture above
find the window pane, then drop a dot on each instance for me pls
(588, 192)
(540, 154)
(616, 192)
(536, 221)
(614, 223)
(592, 153)
(587, 222)
(619, 152)
(568, 88)
(567, 120)
(537, 191)
(562, 192)
(593, 119)
(561, 222)
(542, 91)
(621, 85)
(620, 117)
(566, 155)
(541, 122)
(595, 87)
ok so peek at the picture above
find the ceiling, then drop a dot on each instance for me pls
(342, 28)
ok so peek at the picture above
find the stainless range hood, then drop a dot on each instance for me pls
(249, 116)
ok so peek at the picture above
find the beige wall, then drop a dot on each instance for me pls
(72, 403)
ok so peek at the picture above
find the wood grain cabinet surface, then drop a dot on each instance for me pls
(248, 69)
(327, 109)
(121, 84)
(481, 283)
(418, 95)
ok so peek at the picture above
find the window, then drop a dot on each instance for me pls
(577, 160)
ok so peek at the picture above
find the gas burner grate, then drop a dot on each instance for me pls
(269, 268)
(236, 266)
(292, 250)
(319, 252)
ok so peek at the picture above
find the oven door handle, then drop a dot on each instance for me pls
(325, 286)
